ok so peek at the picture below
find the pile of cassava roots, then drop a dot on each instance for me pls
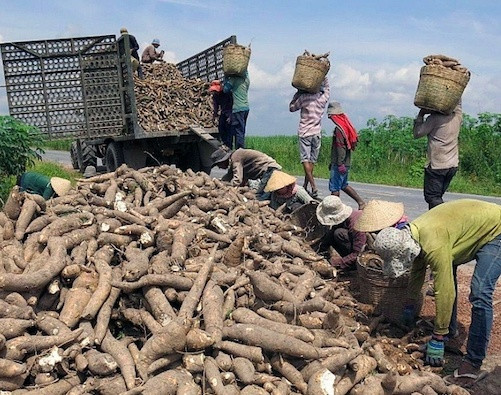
(167, 101)
(155, 281)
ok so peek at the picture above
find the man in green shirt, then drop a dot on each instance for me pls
(446, 236)
(239, 87)
(42, 185)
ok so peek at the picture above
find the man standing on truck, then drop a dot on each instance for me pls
(312, 107)
(134, 47)
(246, 164)
(222, 104)
(150, 54)
(239, 87)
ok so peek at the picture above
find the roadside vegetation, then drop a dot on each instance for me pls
(20, 150)
(388, 154)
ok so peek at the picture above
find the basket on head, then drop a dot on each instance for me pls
(387, 295)
(440, 88)
(309, 73)
(235, 59)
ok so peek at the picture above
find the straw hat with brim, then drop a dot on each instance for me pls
(60, 185)
(332, 211)
(334, 108)
(278, 180)
(219, 156)
(379, 214)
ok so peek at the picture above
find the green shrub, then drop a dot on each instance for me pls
(19, 148)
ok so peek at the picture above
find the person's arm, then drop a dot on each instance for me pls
(48, 192)
(325, 89)
(296, 102)
(422, 127)
(238, 173)
(341, 147)
(228, 85)
(215, 106)
(440, 262)
(303, 196)
(359, 240)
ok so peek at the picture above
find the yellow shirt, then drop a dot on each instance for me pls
(450, 234)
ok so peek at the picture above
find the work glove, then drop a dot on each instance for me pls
(408, 316)
(342, 169)
(435, 351)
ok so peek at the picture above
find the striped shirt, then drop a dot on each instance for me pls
(312, 107)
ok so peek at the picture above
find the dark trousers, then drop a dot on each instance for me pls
(436, 182)
(238, 122)
(224, 128)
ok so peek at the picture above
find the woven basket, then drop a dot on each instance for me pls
(235, 59)
(440, 88)
(387, 295)
(309, 73)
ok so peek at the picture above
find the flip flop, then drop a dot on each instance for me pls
(450, 379)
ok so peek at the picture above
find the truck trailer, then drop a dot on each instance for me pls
(83, 89)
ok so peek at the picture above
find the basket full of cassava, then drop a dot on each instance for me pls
(236, 59)
(310, 71)
(387, 295)
(441, 83)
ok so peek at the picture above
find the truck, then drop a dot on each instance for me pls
(83, 89)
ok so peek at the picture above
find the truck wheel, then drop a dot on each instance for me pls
(89, 155)
(74, 155)
(114, 156)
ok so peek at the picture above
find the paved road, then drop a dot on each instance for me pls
(411, 197)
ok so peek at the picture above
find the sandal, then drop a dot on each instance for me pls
(453, 378)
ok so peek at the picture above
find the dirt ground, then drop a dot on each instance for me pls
(492, 383)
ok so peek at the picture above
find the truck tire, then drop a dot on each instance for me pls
(89, 155)
(74, 155)
(114, 156)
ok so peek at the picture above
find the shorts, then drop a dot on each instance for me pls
(309, 148)
(338, 181)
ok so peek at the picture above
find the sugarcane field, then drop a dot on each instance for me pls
(307, 209)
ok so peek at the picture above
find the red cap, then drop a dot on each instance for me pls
(215, 86)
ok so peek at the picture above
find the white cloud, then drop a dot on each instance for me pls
(262, 80)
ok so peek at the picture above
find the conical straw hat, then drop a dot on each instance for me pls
(278, 180)
(379, 214)
(60, 185)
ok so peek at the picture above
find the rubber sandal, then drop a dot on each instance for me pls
(452, 378)
(314, 194)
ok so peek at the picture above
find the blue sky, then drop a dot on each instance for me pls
(376, 46)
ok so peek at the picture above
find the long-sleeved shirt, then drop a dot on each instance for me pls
(36, 183)
(312, 107)
(222, 104)
(248, 164)
(239, 87)
(150, 54)
(357, 238)
(450, 234)
(340, 154)
(442, 132)
(301, 196)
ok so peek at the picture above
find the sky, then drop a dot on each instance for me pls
(376, 46)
